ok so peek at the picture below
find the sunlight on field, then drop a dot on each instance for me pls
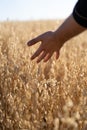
(45, 96)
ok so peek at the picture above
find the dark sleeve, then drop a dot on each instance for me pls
(80, 12)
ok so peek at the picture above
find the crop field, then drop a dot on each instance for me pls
(44, 96)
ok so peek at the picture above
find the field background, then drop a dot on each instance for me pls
(44, 96)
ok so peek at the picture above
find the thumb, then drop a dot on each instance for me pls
(34, 41)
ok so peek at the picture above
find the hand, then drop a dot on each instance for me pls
(48, 46)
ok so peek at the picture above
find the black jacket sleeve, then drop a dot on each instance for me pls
(80, 12)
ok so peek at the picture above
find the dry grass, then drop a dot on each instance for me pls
(51, 96)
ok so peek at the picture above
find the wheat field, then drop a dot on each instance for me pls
(44, 96)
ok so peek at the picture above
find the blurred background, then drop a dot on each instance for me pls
(35, 9)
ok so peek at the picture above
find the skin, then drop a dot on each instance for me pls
(52, 41)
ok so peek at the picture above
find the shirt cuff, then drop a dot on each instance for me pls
(79, 18)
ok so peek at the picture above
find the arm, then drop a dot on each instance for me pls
(68, 29)
(52, 41)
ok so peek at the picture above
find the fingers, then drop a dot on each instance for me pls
(34, 41)
(39, 38)
(57, 55)
(37, 53)
(47, 57)
(41, 56)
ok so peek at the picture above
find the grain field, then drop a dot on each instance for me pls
(44, 96)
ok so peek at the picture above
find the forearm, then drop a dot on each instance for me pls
(68, 29)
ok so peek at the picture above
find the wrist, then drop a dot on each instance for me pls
(58, 39)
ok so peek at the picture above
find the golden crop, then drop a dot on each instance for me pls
(44, 96)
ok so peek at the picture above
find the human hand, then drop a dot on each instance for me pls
(48, 46)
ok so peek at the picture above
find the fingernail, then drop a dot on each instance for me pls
(28, 43)
(32, 58)
(38, 62)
